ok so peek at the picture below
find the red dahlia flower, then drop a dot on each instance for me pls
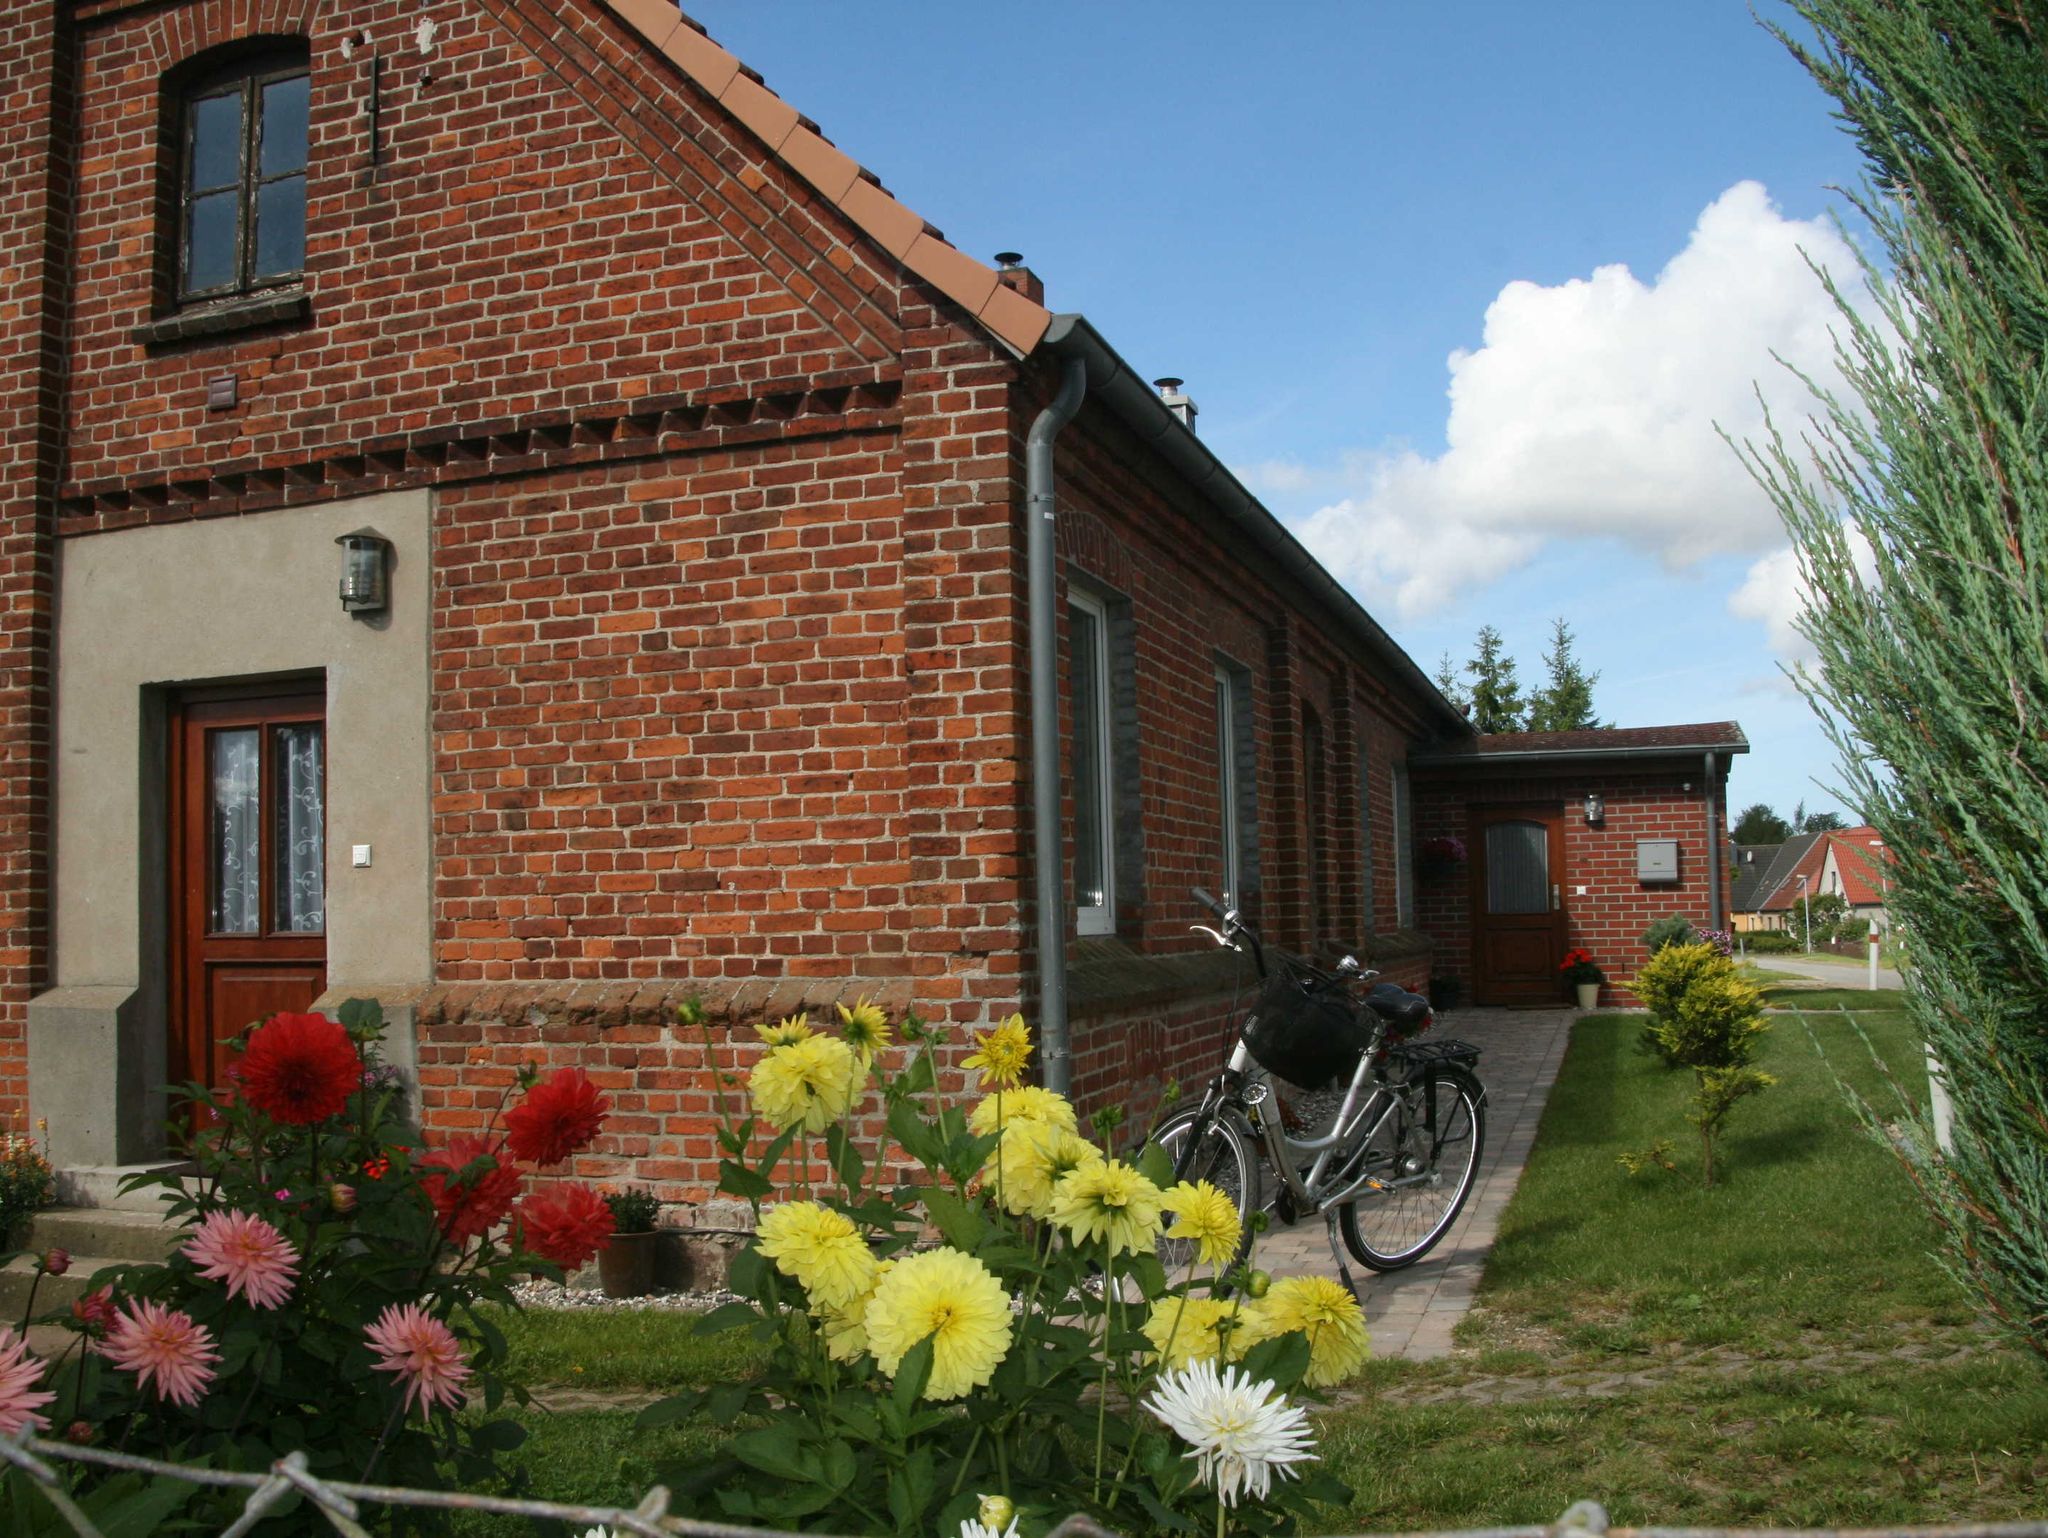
(565, 1224)
(558, 1117)
(472, 1207)
(299, 1069)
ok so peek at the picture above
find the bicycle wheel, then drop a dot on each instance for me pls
(1221, 1155)
(1389, 1229)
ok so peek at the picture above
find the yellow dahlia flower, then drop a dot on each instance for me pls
(1027, 1102)
(808, 1083)
(820, 1249)
(1205, 1215)
(844, 1326)
(1032, 1159)
(1110, 1201)
(865, 1028)
(1184, 1330)
(786, 1032)
(1328, 1315)
(1004, 1052)
(954, 1299)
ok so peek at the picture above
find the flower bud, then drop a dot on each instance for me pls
(57, 1261)
(342, 1196)
(997, 1512)
(1257, 1283)
(80, 1433)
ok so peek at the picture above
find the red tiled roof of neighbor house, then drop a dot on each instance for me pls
(1862, 880)
(1789, 891)
(856, 192)
(1703, 736)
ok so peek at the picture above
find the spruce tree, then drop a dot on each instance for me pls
(1496, 696)
(1918, 509)
(1448, 684)
(1565, 704)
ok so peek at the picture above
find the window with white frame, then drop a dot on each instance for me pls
(1232, 871)
(1088, 670)
(1404, 857)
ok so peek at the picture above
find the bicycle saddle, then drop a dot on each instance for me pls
(1398, 1006)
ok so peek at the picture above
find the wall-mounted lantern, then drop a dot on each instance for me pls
(1596, 810)
(365, 572)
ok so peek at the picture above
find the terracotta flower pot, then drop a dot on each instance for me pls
(625, 1267)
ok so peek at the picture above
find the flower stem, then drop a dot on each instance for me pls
(1102, 1392)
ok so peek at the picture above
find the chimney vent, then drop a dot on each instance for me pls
(1013, 274)
(1177, 400)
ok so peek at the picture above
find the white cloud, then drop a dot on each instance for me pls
(1591, 409)
(1775, 595)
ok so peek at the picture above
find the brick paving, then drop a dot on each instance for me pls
(1412, 1312)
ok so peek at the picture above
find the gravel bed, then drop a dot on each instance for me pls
(555, 1295)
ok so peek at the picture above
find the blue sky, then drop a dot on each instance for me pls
(1307, 209)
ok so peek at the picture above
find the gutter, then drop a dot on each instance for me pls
(1440, 760)
(1713, 853)
(1072, 339)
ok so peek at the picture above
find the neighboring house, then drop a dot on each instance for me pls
(1856, 868)
(686, 484)
(1849, 863)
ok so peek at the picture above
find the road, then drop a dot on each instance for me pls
(1837, 974)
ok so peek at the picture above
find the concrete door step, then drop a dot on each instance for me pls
(99, 1185)
(96, 1237)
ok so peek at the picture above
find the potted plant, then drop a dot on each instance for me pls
(1441, 855)
(1583, 973)
(625, 1267)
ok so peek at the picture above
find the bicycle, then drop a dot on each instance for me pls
(1402, 1150)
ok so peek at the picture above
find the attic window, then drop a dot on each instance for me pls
(242, 178)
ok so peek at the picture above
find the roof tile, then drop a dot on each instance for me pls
(959, 276)
(1014, 318)
(825, 167)
(893, 226)
(760, 109)
(654, 19)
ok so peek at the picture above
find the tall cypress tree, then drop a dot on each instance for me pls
(1919, 514)
(1565, 704)
(1496, 696)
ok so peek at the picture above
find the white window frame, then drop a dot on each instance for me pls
(1099, 919)
(1404, 857)
(1226, 782)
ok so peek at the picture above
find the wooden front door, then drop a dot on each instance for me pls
(1518, 919)
(248, 877)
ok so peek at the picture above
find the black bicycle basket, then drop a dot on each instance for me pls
(1306, 1031)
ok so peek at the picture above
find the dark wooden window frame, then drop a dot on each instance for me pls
(245, 76)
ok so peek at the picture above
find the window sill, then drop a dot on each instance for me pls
(225, 317)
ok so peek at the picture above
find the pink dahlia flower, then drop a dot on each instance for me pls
(19, 1396)
(424, 1352)
(253, 1258)
(163, 1347)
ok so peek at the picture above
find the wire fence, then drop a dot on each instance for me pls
(341, 1502)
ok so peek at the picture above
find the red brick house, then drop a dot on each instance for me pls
(686, 484)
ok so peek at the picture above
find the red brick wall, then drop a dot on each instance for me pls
(1610, 918)
(36, 166)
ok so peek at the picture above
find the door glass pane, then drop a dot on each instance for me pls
(1084, 633)
(210, 238)
(216, 142)
(1517, 868)
(281, 227)
(298, 820)
(234, 868)
(283, 127)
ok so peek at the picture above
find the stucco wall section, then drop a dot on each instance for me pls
(228, 599)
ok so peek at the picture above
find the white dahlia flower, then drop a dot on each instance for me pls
(1241, 1432)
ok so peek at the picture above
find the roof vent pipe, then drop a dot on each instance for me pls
(1013, 274)
(1177, 400)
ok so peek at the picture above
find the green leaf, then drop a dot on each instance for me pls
(671, 1411)
(362, 1017)
(738, 1180)
(846, 1159)
(1165, 1516)
(777, 1147)
(915, 1134)
(120, 1510)
(912, 1374)
(727, 1403)
(498, 1436)
(727, 1316)
(960, 1221)
(774, 1450)
(1148, 1273)
(918, 1482)
(748, 1273)
(1155, 1166)
(1283, 1359)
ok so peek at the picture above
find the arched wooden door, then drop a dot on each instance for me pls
(1518, 918)
(248, 878)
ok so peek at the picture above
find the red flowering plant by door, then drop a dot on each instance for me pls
(1579, 966)
(332, 1290)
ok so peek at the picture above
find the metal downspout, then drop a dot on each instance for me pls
(1713, 854)
(1041, 585)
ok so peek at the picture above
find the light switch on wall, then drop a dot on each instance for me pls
(360, 856)
(1577, 891)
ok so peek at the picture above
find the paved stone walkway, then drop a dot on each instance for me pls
(1411, 1312)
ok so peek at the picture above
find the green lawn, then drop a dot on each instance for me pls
(1743, 1299)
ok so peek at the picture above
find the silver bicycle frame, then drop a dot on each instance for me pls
(1282, 1151)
